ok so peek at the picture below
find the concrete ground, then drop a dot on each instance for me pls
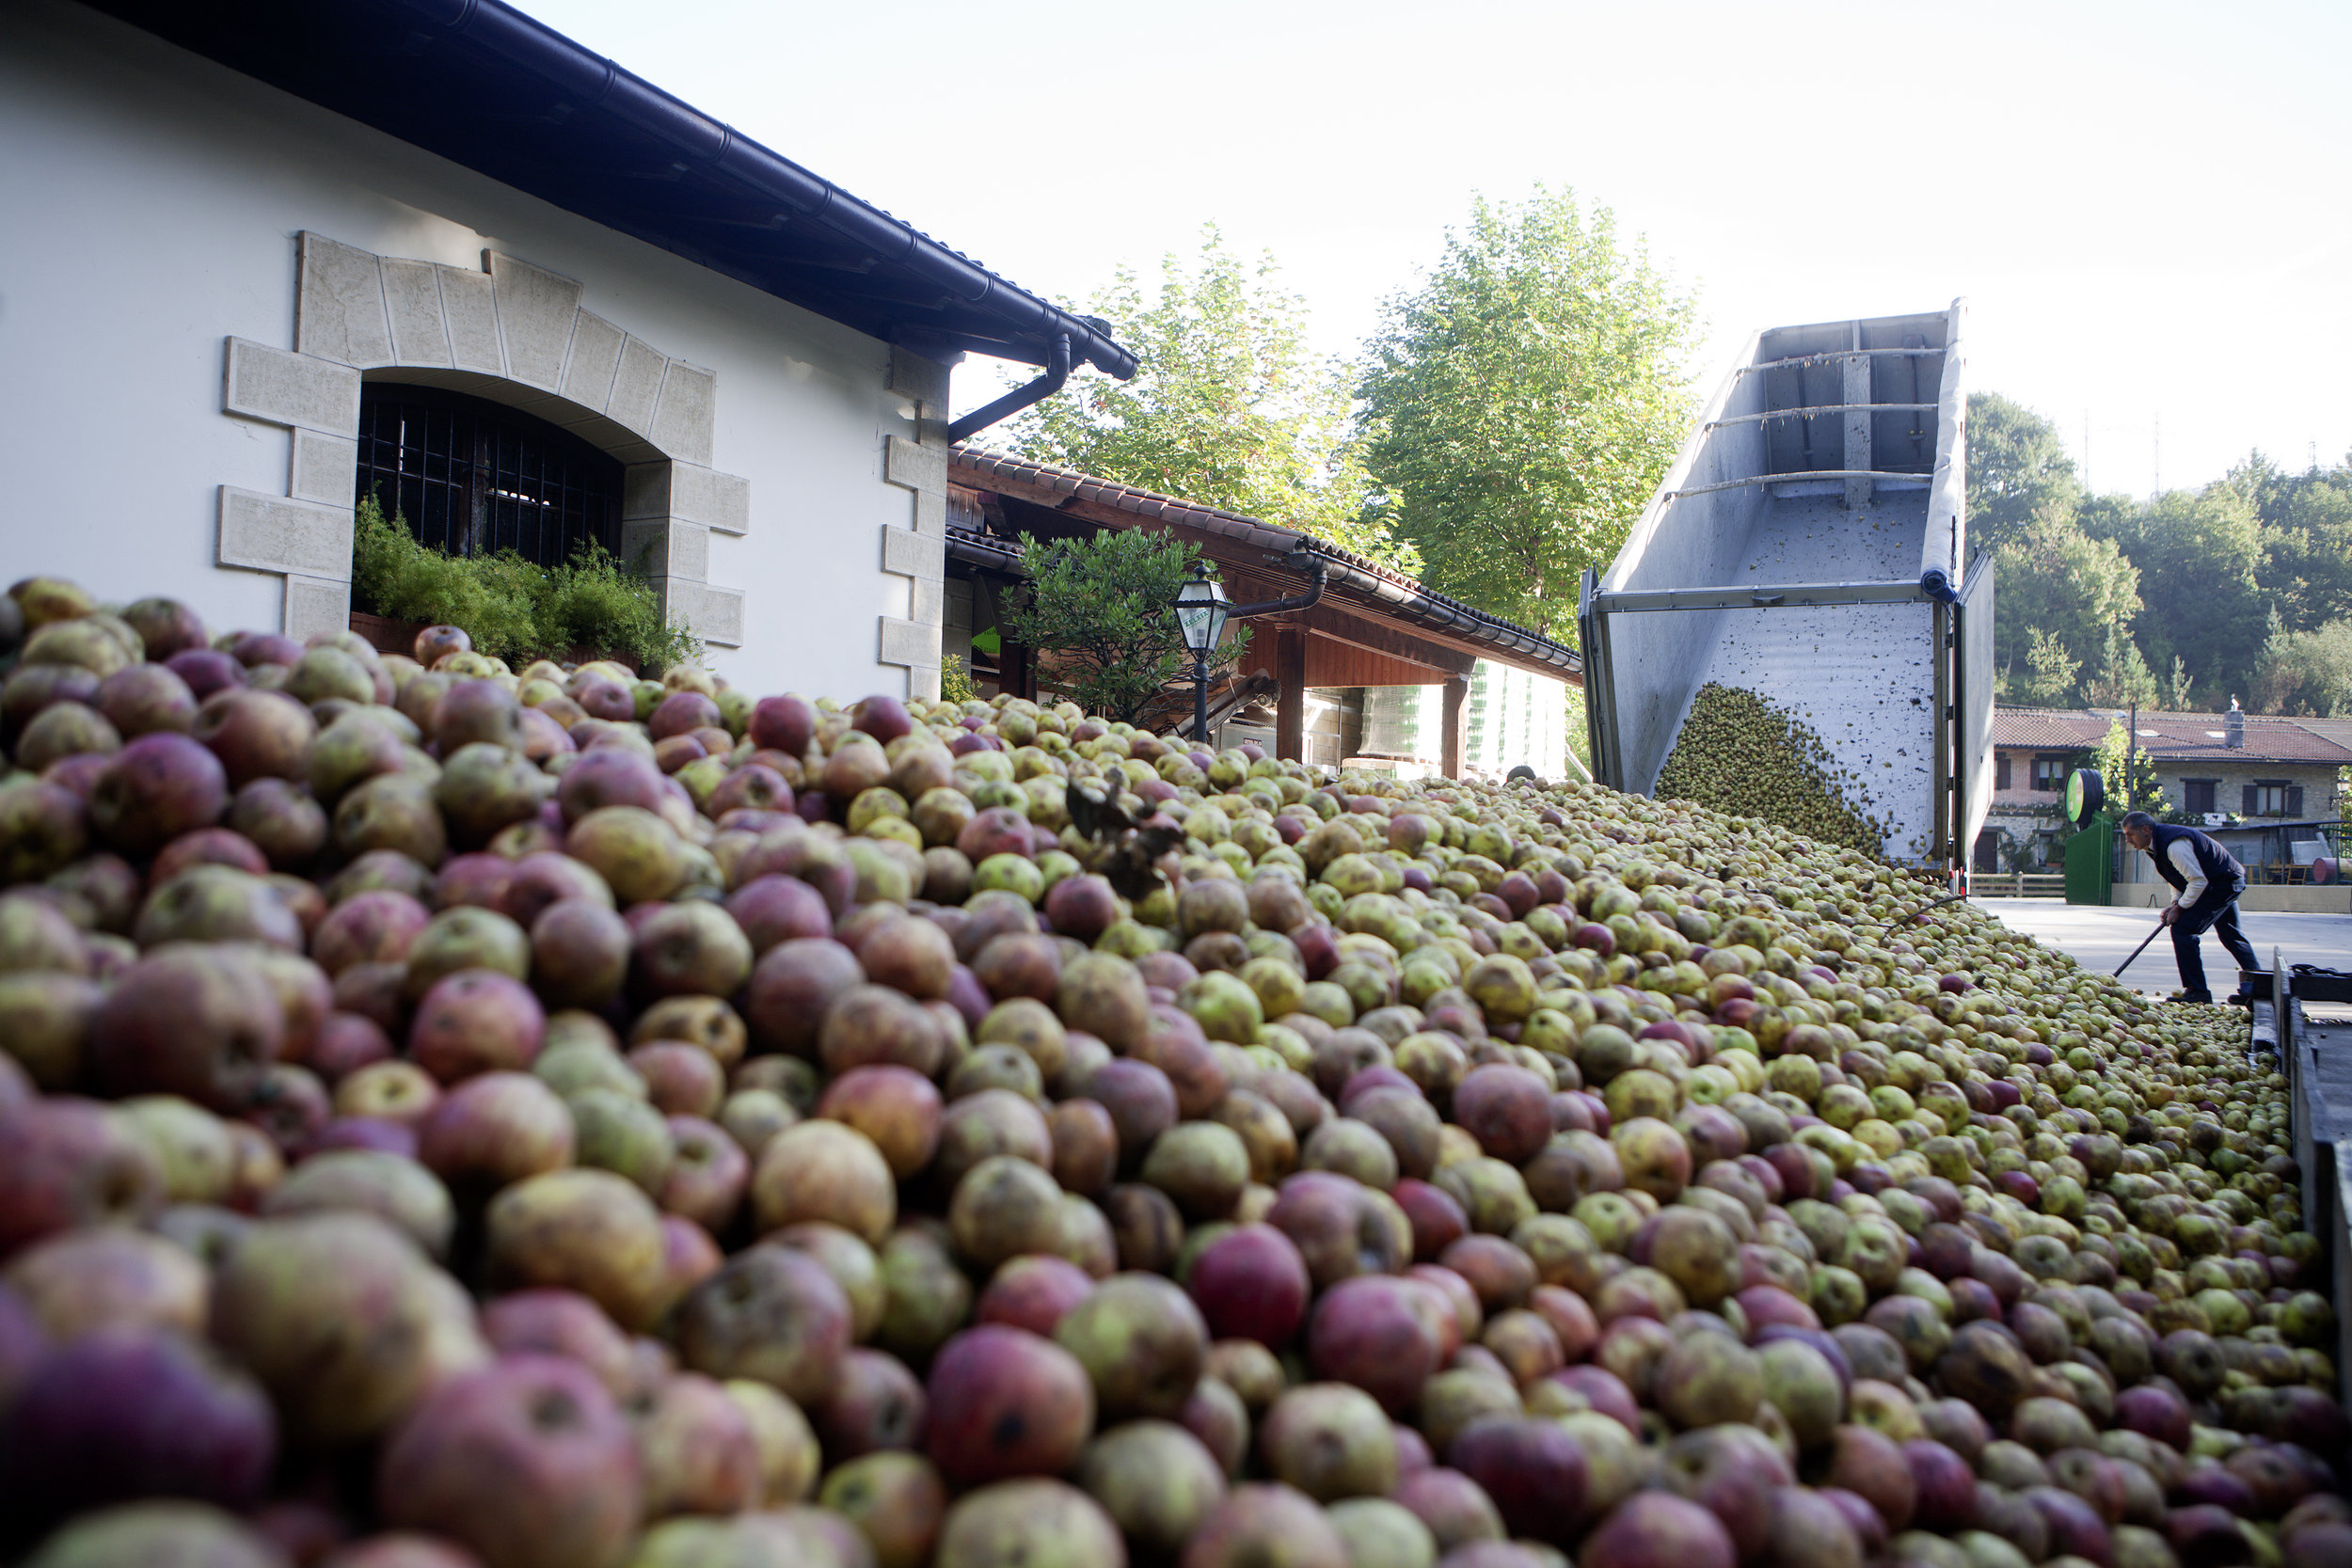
(2101, 938)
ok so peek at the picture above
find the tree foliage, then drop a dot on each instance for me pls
(955, 681)
(2200, 557)
(1229, 406)
(2018, 471)
(2190, 597)
(2307, 537)
(2063, 597)
(2049, 675)
(1520, 406)
(2179, 686)
(2306, 672)
(2128, 773)
(1099, 607)
(2125, 679)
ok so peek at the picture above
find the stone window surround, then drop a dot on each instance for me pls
(918, 553)
(512, 333)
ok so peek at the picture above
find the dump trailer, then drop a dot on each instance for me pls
(1810, 546)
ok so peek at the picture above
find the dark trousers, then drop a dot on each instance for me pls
(2216, 911)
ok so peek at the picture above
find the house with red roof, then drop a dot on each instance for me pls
(2272, 788)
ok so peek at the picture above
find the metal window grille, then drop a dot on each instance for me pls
(472, 477)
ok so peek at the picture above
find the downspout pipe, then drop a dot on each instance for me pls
(1298, 561)
(1057, 373)
(1312, 596)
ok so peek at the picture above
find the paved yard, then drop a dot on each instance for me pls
(2102, 938)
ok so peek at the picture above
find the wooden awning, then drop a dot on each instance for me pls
(1373, 622)
(1374, 627)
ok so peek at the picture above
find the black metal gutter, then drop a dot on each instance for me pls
(1441, 613)
(480, 83)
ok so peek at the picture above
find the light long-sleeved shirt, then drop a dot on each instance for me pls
(2184, 858)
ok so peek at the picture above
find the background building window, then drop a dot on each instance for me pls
(2049, 774)
(2267, 798)
(473, 477)
(2196, 795)
(2000, 771)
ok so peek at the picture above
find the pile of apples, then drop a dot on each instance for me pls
(555, 1119)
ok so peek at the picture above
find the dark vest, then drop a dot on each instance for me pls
(2221, 870)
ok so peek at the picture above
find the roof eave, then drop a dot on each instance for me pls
(1404, 596)
(391, 55)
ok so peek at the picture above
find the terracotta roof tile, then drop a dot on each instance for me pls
(2048, 728)
(2336, 730)
(2167, 736)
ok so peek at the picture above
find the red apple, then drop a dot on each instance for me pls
(476, 1021)
(696, 1451)
(526, 1462)
(1034, 1293)
(1006, 1403)
(1383, 1334)
(125, 1414)
(1251, 1283)
(874, 1404)
(494, 1130)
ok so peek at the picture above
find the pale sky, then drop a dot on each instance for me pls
(2144, 203)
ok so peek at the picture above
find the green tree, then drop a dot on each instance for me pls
(2048, 679)
(2128, 772)
(2306, 536)
(2123, 678)
(1099, 606)
(2306, 672)
(1521, 405)
(2231, 588)
(2200, 556)
(2063, 595)
(2018, 471)
(2180, 687)
(1229, 406)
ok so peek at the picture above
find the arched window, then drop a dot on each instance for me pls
(473, 477)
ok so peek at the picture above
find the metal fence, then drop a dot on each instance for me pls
(2274, 853)
(2017, 884)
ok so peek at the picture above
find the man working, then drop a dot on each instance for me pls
(2207, 879)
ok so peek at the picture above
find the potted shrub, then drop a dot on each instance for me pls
(593, 607)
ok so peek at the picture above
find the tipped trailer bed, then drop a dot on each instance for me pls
(1809, 544)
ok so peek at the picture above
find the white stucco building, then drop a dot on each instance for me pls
(252, 255)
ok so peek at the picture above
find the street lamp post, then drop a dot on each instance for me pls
(1200, 610)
